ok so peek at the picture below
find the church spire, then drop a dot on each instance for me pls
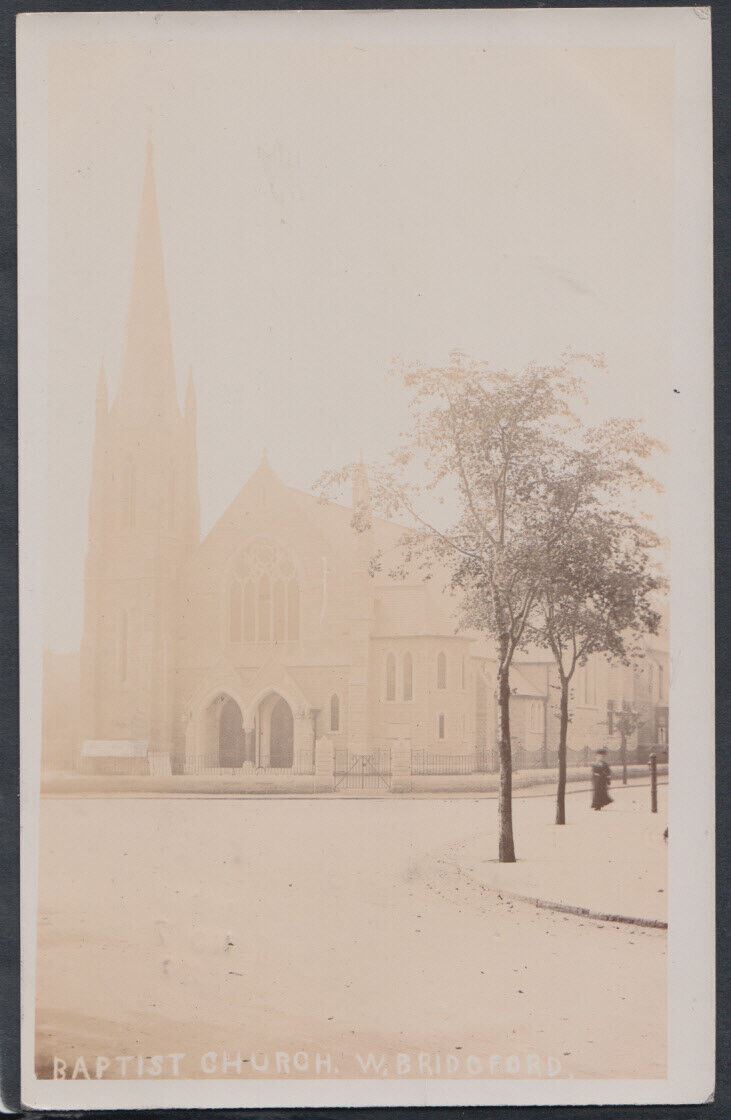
(147, 387)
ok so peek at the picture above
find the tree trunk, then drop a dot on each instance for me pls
(562, 745)
(506, 846)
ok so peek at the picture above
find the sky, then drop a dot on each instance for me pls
(333, 205)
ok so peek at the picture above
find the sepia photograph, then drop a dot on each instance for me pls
(366, 486)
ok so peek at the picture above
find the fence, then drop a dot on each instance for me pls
(207, 766)
(366, 770)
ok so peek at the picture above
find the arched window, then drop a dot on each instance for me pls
(442, 670)
(391, 677)
(279, 611)
(271, 597)
(464, 672)
(408, 677)
(293, 610)
(441, 725)
(335, 712)
(122, 639)
(249, 612)
(536, 715)
(265, 609)
(234, 620)
(660, 682)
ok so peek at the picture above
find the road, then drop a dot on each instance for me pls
(330, 927)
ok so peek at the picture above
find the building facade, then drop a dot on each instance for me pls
(247, 646)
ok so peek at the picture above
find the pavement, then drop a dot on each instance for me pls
(608, 865)
(343, 928)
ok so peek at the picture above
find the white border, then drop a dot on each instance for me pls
(691, 1009)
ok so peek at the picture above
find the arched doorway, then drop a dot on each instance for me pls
(275, 732)
(281, 743)
(231, 736)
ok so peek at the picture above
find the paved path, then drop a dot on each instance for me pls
(610, 863)
(340, 927)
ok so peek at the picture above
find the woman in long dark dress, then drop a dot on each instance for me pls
(601, 777)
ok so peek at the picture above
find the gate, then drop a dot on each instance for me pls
(363, 771)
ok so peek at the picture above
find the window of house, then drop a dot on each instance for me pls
(334, 712)
(464, 672)
(661, 682)
(442, 670)
(408, 677)
(391, 677)
(536, 722)
(651, 679)
(441, 725)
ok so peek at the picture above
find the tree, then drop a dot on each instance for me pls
(489, 439)
(598, 597)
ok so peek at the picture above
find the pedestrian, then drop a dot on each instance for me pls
(601, 777)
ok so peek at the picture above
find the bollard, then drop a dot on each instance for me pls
(653, 782)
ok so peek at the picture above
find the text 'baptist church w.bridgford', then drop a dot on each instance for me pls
(247, 646)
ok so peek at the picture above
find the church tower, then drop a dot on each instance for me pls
(143, 515)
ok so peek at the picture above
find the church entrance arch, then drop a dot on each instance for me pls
(225, 743)
(231, 736)
(275, 732)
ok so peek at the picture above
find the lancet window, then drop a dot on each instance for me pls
(264, 597)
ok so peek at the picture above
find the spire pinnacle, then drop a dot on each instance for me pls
(148, 377)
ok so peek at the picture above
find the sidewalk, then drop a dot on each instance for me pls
(609, 865)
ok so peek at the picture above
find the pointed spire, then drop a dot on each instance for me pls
(148, 377)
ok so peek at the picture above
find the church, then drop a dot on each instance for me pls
(245, 648)
(250, 644)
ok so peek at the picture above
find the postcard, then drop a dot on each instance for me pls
(366, 557)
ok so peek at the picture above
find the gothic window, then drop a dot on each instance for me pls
(391, 677)
(441, 726)
(249, 611)
(269, 593)
(122, 638)
(293, 610)
(408, 677)
(442, 670)
(234, 622)
(265, 609)
(279, 611)
(536, 715)
(334, 712)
